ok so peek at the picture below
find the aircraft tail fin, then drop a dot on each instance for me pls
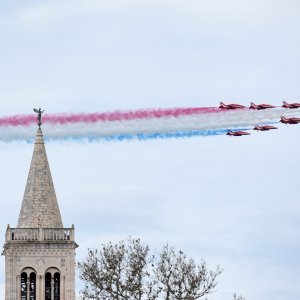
(229, 132)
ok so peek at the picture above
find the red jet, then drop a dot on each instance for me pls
(264, 128)
(291, 105)
(231, 106)
(289, 120)
(237, 133)
(260, 106)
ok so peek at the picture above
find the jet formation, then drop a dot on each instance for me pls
(258, 106)
(254, 106)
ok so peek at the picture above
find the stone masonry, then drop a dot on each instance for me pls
(39, 207)
(39, 246)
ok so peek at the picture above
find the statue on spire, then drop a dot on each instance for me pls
(39, 116)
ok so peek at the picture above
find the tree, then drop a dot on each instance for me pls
(117, 271)
(127, 271)
(181, 278)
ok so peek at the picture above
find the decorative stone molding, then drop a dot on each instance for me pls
(63, 262)
(18, 263)
(40, 262)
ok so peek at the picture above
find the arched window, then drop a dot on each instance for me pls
(24, 286)
(28, 284)
(52, 284)
(48, 286)
(56, 286)
(32, 286)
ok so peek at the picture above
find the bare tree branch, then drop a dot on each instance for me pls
(127, 271)
(116, 271)
(181, 278)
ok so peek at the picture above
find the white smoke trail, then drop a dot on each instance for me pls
(196, 122)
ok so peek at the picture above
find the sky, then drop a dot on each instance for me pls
(232, 201)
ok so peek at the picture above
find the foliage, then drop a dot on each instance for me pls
(127, 271)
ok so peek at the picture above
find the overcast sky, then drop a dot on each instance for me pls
(232, 201)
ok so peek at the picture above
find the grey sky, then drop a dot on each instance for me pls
(232, 201)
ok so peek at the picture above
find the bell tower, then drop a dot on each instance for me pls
(40, 251)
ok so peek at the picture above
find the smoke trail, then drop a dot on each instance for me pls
(80, 133)
(177, 123)
(211, 113)
(151, 136)
(26, 120)
(125, 137)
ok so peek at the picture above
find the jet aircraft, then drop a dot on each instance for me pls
(260, 106)
(264, 128)
(290, 105)
(230, 106)
(237, 133)
(289, 120)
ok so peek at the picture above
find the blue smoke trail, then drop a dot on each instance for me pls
(129, 137)
(146, 136)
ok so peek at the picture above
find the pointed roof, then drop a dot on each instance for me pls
(39, 207)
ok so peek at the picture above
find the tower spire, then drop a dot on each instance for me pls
(39, 252)
(39, 206)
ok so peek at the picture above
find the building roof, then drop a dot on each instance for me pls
(39, 206)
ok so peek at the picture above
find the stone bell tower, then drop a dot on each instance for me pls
(40, 251)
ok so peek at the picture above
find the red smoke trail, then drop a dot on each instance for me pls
(26, 120)
(18, 120)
